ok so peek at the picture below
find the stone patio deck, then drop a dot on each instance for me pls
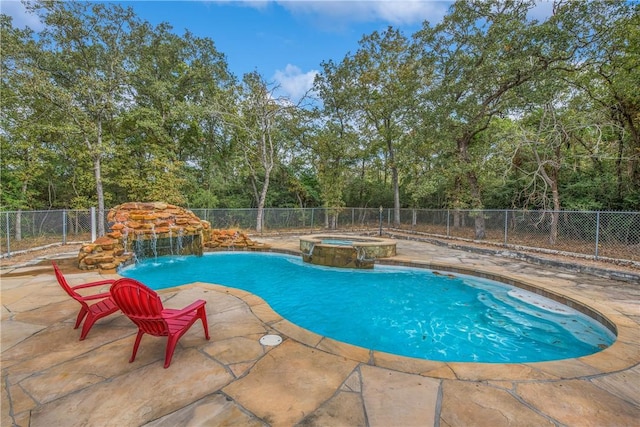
(49, 378)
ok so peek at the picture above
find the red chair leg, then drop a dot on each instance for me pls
(203, 316)
(136, 344)
(88, 323)
(83, 312)
(171, 346)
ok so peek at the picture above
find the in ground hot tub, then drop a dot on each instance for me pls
(335, 250)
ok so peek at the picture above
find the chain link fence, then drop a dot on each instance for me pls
(614, 235)
(291, 219)
(21, 231)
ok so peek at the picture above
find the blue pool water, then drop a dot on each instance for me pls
(337, 242)
(406, 311)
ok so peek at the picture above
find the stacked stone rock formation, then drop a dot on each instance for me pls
(159, 227)
(231, 239)
(144, 224)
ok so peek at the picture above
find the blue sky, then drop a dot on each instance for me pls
(284, 40)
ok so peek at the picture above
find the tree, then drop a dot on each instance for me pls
(172, 126)
(607, 76)
(84, 74)
(261, 118)
(386, 82)
(21, 115)
(102, 108)
(544, 145)
(483, 56)
(578, 120)
(21, 163)
(335, 141)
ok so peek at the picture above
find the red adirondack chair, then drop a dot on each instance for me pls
(143, 306)
(103, 307)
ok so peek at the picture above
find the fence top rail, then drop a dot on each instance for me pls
(44, 211)
(521, 211)
(4, 212)
(426, 209)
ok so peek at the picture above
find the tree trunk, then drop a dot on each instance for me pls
(261, 202)
(259, 219)
(619, 179)
(456, 218)
(100, 194)
(477, 204)
(97, 169)
(555, 216)
(396, 196)
(634, 163)
(18, 226)
(394, 181)
(363, 172)
(479, 226)
(474, 186)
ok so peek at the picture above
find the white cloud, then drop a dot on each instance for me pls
(21, 18)
(293, 82)
(341, 12)
(411, 12)
(396, 12)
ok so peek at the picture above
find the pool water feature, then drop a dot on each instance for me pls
(405, 311)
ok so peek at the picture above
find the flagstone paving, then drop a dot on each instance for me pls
(49, 378)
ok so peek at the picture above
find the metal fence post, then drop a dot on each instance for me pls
(506, 225)
(64, 227)
(94, 232)
(353, 218)
(597, 231)
(448, 223)
(8, 236)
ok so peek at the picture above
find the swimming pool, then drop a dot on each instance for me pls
(406, 311)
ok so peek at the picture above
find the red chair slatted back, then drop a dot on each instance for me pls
(65, 285)
(140, 304)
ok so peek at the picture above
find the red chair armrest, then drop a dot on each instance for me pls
(97, 296)
(92, 284)
(170, 314)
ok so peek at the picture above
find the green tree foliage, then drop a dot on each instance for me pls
(83, 74)
(608, 82)
(131, 105)
(21, 163)
(582, 120)
(334, 144)
(174, 137)
(386, 84)
(261, 131)
(487, 109)
(482, 56)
